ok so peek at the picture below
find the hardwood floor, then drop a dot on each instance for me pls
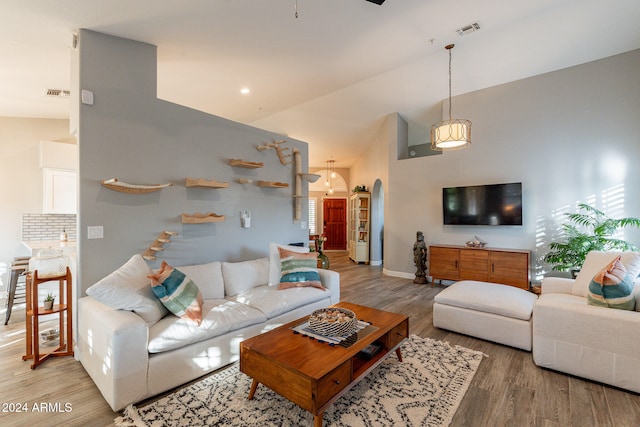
(508, 389)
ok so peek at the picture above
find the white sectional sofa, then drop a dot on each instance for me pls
(139, 350)
(588, 341)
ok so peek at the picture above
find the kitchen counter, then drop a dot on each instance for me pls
(68, 247)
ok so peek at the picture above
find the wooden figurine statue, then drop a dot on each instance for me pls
(420, 258)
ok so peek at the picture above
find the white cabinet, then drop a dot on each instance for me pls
(359, 215)
(59, 164)
(60, 191)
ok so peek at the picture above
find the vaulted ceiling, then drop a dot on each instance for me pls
(328, 76)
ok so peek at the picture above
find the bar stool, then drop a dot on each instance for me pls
(17, 288)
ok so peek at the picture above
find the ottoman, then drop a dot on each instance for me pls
(490, 311)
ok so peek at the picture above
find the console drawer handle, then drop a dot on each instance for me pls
(336, 381)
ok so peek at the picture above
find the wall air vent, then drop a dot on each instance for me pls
(58, 93)
(468, 29)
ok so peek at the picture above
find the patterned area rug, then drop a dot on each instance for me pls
(423, 390)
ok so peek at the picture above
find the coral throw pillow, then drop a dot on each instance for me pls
(177, 293)
(298, 270)
(612, 287)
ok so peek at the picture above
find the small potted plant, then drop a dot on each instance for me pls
(48, 302)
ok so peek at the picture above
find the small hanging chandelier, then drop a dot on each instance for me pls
(452, 134)
(331, 173)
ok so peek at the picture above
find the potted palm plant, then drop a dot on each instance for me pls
(589, 230)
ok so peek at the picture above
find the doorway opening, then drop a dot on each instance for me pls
(377, 224)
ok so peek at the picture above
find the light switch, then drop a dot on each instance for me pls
(95, 232)
(86, 96)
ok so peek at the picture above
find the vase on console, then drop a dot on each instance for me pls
(323, 260)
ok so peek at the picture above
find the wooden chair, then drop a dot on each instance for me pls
(17, 290)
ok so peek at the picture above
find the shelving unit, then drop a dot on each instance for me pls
(359, 218)
(64, 311)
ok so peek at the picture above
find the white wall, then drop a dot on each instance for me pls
(569, 136)
(131, 135)
(21, 178)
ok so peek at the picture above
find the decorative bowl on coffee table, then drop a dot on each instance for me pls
(333, 321)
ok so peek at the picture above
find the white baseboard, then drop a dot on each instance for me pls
(398, 274)
(376, 263)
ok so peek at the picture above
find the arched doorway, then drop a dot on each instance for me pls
(377, 224)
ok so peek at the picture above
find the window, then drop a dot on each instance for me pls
(312, 215)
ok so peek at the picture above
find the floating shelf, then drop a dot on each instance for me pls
(273, 184)
(209, 183)
(281, 151)
(157, 245)
(123, 187)
(245, 164)
(200, 218)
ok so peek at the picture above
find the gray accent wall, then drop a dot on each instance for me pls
(569, 136)
(131, 135)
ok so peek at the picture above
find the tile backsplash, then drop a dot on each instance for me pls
(48, 226)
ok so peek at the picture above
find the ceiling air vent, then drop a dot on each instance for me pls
(58, 93)
(468, 29)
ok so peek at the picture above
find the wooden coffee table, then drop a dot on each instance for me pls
(312, 374)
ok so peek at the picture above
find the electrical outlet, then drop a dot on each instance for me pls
(95, 232)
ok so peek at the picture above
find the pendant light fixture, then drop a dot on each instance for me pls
(452, 134)
(331, 173)
(327, 174)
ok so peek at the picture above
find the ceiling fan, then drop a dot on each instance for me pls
(378, 2)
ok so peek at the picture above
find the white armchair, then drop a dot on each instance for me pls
(588, 341)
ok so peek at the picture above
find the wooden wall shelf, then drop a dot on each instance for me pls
(208, 183)
(273, 184)
(123, 187)
(200, 218)
(157, 245)
(245, 164)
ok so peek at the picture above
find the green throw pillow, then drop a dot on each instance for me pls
(612, 287)
(177, 293)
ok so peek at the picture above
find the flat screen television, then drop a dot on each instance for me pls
(495, 204)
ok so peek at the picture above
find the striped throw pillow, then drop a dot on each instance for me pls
(298, 270)
(612, 287)
(177, 293)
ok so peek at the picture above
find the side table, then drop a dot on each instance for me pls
(64, 310)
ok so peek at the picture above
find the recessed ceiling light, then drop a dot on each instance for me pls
(245, 90)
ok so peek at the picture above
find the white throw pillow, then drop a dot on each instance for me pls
(274, 260)
(596, 261)
(129, 288)
(245, 275)
(208, 278)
